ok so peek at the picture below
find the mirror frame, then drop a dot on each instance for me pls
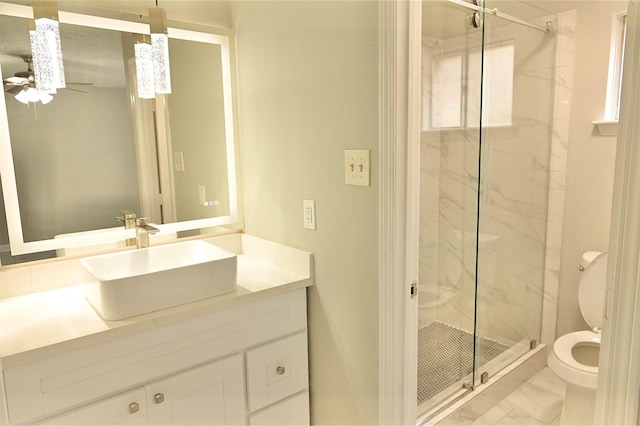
(7, 172)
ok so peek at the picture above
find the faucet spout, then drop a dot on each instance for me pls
(129, 220)
(142, 232)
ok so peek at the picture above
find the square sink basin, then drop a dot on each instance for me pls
(125, 284)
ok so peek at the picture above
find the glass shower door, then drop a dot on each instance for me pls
(449, 203)
(515, 140)
(485, 146)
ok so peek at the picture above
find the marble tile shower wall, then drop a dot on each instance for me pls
(521, 215)
(563, 89)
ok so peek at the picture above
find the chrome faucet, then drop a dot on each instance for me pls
(142, 232)
(129, 220)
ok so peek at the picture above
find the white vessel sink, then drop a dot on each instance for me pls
(125, 284)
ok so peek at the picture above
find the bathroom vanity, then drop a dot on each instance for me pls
(237, 358)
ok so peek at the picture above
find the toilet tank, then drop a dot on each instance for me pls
(591, 287)
(587, 258)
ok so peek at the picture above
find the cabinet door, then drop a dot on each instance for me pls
(125, 409)
(212, 394)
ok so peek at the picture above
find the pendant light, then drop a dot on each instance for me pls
(153, 72)
(144, 66)
(45, 46)
(160, 49)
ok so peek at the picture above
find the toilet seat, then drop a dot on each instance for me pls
(562, 363)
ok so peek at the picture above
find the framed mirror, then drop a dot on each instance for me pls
(68, 167)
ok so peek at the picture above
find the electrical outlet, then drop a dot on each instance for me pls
(309, 214)
(356, 167)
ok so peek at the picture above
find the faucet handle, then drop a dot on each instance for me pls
(127, 214)
(141, 221)
(128, 217)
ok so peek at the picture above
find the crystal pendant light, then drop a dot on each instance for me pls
(45, 46)
(160, 49)
(144, 67)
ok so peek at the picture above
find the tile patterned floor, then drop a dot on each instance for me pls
(536, 402)
(445, 355)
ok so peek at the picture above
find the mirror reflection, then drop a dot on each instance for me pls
(74, 158)
(96, 149)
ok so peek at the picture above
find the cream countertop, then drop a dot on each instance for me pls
(38, 325)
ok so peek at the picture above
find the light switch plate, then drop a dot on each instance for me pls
(178, 161)
(357, 169)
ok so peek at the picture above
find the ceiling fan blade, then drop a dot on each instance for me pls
(75, 90)
(15, 90)
(16, 80)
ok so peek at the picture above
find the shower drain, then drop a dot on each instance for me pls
(445, 355)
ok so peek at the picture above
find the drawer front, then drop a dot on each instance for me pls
(125, 409)
(277, 370)
(292, 411)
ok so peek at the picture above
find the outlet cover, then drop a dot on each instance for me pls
(356, 167)
(309, 212)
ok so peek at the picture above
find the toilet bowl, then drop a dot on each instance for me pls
(574, 356)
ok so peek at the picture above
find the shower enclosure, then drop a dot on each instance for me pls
(487, 89)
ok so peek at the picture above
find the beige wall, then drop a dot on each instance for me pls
(590, 162)
(308, 79)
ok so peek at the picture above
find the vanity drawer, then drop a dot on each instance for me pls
(277, 370)
(291, 411)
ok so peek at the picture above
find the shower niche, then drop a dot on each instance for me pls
(487, 90)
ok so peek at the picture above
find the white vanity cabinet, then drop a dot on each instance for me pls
(212, 394)
(246, 364)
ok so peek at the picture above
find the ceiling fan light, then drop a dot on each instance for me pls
(33, 95)
(22, 97)
(45, 98)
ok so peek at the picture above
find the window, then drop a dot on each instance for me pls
(456, 82)
(446, 91)
(616, 62)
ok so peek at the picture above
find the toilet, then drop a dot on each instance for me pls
(574, 356)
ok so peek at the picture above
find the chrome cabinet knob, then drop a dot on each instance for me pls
(158, 398)
(280, 370)
(134, 407)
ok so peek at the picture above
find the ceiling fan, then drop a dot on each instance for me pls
(23, 85)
